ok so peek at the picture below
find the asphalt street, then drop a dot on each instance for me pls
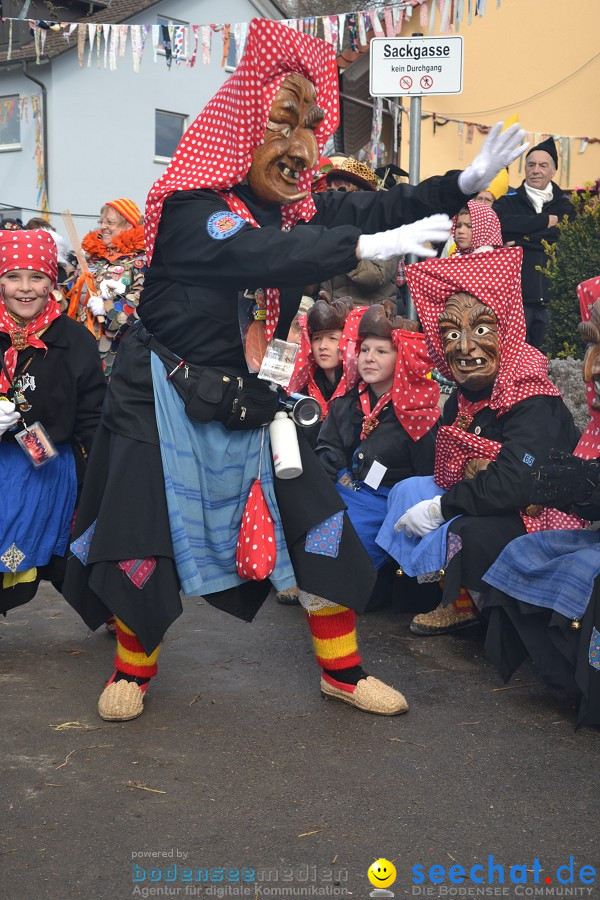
(239, 773)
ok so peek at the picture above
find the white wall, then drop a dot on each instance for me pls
(101, 123)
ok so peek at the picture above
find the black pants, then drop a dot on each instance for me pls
(536, 319)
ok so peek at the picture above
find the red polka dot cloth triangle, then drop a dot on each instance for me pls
(216, 151)
(256, 551)
(453, 450)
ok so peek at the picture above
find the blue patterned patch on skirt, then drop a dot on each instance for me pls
(324, 538)
(208, 473)
(594, 651)
(80, 547)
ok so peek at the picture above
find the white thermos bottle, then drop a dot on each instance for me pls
(284, 447)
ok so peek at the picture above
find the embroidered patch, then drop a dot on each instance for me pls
(12, 558)
(528, 459)
(324, 539)
(81, 545)
(594, 651)
(222, 225)
(138, 570)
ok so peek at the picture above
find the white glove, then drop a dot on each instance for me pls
(8, 415)
(96, 305)
(421, 518)
(500, 148)
(406, 239)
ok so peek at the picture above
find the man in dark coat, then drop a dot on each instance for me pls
(528, 216)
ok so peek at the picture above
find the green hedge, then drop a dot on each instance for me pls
(574, 258)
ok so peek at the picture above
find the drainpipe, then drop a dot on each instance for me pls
(44, 127)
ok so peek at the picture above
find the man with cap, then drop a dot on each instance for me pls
(528, 216)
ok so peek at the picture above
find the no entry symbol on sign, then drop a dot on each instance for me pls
(426, 82)
(406, 82)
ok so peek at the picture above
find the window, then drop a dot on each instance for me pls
(165, 20)
(230, 65)
(169, 128)
(10, 123)
(12, 213)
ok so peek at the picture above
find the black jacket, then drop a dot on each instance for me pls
(339, 445)
(521, 224)
(527, 433)
(64, 386)
(190, 296)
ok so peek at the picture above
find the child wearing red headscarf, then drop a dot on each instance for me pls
(50, 376)
(383, 430)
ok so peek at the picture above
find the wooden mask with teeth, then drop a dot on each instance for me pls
(289, 146)
(469, 331)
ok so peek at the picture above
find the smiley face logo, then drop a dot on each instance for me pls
(382, 873)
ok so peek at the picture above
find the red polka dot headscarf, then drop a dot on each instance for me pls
(35, 250)
(495, 279)
(589, 445)
(216, 151)
(303, 376)
(414, 395)
(485, 224)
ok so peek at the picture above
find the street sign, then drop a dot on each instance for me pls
(416, 66)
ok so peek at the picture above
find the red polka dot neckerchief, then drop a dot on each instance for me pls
(467, 410)
(271, 294)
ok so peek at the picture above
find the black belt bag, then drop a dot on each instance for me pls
(238, 402)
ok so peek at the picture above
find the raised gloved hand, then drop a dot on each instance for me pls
(8, 415)
(421, 518)
(565, 480)
(405, 239)
(96, 305)
(499, 149)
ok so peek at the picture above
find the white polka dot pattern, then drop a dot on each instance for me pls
(256, 550)
(589, 445)
(35, 250)
(216, 151)
(485, 224)
(495, 278)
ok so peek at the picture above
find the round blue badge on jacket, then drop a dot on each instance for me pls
(222, 225)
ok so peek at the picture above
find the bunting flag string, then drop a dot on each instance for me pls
(344, 29)
(20, 106)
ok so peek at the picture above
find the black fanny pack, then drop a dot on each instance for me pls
(238, 402)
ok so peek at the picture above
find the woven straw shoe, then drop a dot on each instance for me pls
(370, 695)
(442, 620)
(121, 701)
(289, 597)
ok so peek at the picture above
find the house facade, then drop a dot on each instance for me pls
(108, 133)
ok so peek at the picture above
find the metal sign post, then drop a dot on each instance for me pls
(414, 173)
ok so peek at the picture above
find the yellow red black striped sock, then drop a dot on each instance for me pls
(463, 602)
(130, 657)
(333, 630)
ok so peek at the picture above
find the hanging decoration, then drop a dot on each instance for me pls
(337, 29)
(38, 154)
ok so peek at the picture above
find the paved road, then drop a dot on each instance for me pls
(238, 764)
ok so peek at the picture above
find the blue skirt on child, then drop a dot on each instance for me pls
(36, 507)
